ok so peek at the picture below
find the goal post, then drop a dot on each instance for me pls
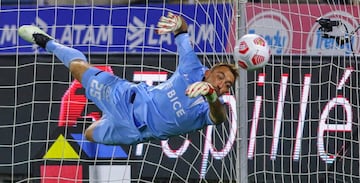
(241, 93)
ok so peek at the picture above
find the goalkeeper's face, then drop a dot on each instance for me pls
(221, 78)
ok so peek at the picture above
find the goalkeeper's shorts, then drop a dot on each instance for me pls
(114, 97)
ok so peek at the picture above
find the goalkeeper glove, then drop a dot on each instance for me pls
(202, 88)
(168, 24)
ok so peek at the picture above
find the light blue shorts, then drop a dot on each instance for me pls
(114, 97)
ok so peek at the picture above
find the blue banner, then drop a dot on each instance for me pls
(116, 29)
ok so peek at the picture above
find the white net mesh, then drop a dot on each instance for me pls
(44, 111)
(304, 106)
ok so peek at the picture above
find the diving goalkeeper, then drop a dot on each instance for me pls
(134, 113)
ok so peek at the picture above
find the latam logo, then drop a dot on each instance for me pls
(139, 35)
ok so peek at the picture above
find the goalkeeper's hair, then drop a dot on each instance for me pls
(232, 68)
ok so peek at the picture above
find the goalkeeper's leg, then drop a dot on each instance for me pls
(72, 58)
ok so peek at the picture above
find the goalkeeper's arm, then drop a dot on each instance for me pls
(217, 110)
(183, 28)
(171, 23)
(177, 25)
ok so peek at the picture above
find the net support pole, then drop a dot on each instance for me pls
(241, 103)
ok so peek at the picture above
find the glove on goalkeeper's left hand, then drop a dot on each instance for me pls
(202, 88)
(168, 24)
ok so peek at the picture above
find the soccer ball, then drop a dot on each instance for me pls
(251, 52)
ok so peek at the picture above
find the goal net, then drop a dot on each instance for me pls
(304, 106)
(45, 112)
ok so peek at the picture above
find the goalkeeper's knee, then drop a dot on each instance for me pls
(89, 133)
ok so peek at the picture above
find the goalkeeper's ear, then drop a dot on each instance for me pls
(206, 75)
(183, 28)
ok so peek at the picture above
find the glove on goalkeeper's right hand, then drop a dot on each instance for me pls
(168, 24)
(202, 88)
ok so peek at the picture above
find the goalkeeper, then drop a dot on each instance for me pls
(135, 113)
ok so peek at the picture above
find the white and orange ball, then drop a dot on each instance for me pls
(251, 52)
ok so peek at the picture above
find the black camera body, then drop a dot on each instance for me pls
(326, 25)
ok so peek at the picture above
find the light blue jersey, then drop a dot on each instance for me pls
(170, 112)
(133, 113)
